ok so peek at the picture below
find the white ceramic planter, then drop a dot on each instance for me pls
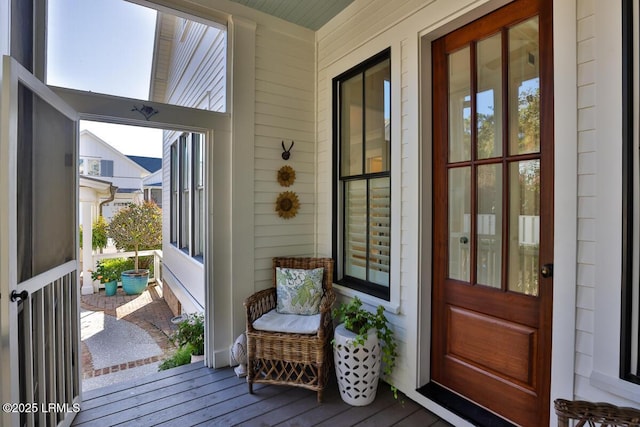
(357, 366)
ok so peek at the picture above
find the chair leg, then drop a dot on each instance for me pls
(320, 396)
(250, 387)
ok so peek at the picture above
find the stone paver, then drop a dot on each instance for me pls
(148, 311)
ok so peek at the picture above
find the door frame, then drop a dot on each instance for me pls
(565, 201)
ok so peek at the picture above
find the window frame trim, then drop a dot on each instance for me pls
(630, 58)
(351, 284)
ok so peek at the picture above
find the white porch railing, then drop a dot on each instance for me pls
(155, 274)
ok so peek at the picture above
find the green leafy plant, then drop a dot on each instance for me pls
(190, 332)
(99, 230)
(109, 269)
(181, 357)
(137, 227)
(359, 321)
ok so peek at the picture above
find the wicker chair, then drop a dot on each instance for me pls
(590, 413)
(301, 360)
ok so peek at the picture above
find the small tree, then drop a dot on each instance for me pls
(137, 227)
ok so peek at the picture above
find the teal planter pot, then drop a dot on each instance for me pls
(134, 282)
(110, 288)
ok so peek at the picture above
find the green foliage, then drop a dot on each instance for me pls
(358, 320)
(137, 227)
(99, 233)
(180, 357)
(109, 269)
(190, 332)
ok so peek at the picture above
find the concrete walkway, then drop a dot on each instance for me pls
(123, 336)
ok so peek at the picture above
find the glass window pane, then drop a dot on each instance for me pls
(351, 126)
(524, 226)
(459, 223)
(379, 230)
(489, 97)
(378, 117)
(524, 88)
(355, 229)
(459, 106)
(489, 225)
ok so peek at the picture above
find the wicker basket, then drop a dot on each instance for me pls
(590, 413)
(301, 360)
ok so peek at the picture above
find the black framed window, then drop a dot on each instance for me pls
(630, 310)
(362, 176)
(187, 190)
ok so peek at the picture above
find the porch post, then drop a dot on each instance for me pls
(87, 253)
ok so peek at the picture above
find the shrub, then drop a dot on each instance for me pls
(99, 233)
(190, 332)
(181, 357)
(109, 269)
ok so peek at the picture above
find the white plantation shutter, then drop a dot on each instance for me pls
(379, 230)
(367, 230)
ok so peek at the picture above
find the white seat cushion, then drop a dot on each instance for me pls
(273, 321)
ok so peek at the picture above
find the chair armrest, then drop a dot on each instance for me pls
(258, 304)
(326, 320)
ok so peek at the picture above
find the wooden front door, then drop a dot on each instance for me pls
(493, 214)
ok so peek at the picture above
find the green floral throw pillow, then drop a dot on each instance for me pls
(299, 291)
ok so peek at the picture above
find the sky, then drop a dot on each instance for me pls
(105, 46)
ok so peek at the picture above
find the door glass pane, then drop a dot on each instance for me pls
(378, 100)
(524, 226)
(351, 126)
(355, 229)
(459, 106)
(489, 97)
(489, 225)
(379, 230)
(459, 222)
(524, 88)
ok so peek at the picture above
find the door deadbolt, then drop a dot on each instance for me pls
(546, 271)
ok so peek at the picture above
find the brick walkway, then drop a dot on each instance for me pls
(148, 310)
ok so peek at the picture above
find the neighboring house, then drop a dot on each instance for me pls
(505, 254)
(99, 159)
(152, 185)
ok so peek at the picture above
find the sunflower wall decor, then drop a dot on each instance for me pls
(287, 204)
(286, 176)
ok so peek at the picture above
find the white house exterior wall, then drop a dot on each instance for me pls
(598, 298)
(284, 113)
(587, 251)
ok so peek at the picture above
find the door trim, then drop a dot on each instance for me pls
(565, 201)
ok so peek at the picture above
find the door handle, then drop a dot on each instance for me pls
(21, 296)
(546, 271)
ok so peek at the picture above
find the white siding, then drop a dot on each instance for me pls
(284, 111)
(599, 226)
(585, 303)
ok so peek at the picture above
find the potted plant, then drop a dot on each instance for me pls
(363, 342)
(108, 272)
(134, 228)
(190, 334)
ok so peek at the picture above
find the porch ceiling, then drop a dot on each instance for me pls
(311, 14)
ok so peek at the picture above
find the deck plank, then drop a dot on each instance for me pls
(197, 395)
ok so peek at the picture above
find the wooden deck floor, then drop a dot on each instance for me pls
(195, 395)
